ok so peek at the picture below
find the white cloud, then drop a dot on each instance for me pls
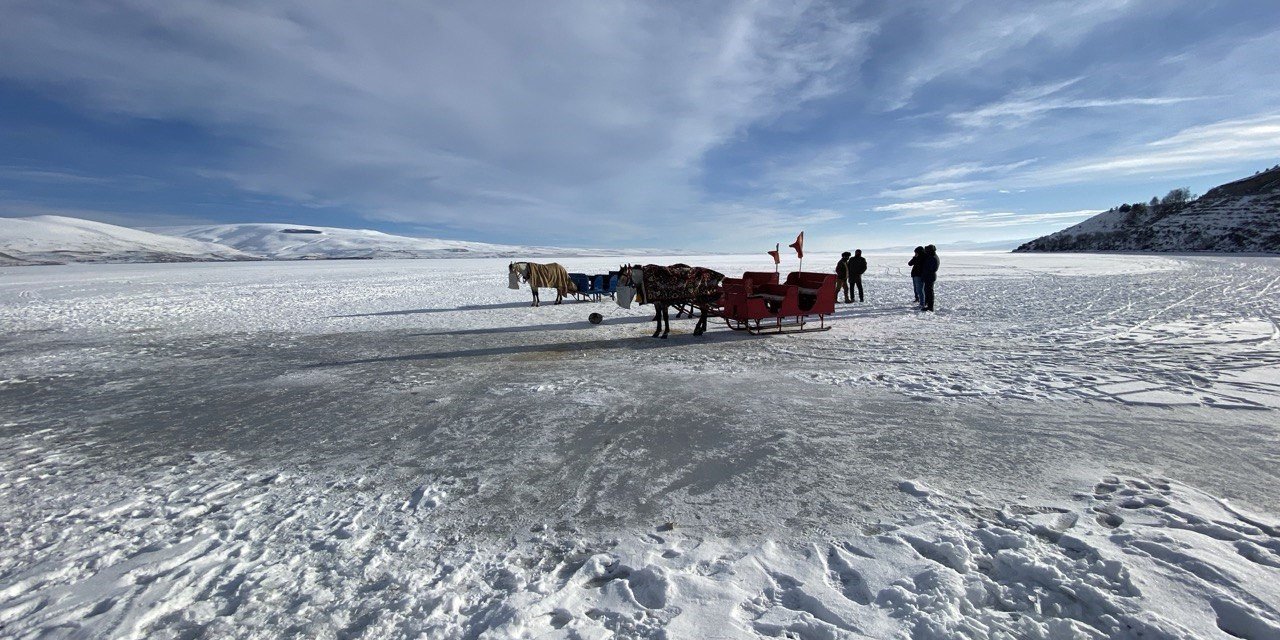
(797, 179)
(526, 114)
(931, 189)
(1196, 149)
(946, 204)
(984, 38)
(1001, 219)
(965, 170)
(1020, 112)
(1192, 151)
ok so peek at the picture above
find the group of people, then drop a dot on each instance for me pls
(924, 272)
(849, 274)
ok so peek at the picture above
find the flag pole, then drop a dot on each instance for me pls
(777, 247)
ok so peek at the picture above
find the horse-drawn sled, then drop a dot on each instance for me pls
(756, 302)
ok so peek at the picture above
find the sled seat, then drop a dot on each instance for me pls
(819, 290)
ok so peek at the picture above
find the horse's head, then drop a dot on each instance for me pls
(629, 277)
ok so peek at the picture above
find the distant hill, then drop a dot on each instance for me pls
(1240, 216)
(300, 242)
(58, 239)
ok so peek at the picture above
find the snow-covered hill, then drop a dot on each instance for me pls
(297, 242)
(59, 239)
(1240, 216)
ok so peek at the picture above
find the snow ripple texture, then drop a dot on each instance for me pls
(199, 547)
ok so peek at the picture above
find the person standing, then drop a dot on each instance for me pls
(857, 267)
(930, 275)
(842, 276)
(917, 271)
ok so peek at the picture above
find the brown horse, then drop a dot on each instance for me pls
(542, 276)
(677, 285)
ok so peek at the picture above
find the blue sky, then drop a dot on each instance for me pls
(712, 125)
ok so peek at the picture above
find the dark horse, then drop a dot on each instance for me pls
(677, 285)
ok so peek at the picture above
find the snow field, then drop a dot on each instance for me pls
(405, 449)
(202, 546)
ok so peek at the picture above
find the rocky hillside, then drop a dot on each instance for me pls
(1240, 216)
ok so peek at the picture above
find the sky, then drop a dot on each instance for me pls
(719, 125)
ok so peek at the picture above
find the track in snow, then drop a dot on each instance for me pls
(392, 449)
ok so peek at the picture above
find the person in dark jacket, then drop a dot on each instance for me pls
(857, 267)
(917, 270)
(842, 276)
(930, 275)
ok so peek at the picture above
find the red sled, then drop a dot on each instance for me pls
(758, 304)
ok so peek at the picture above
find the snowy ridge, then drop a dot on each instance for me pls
(301, 242)
(59, 239)
(1241, 216)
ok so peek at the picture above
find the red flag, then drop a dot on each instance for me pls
(777, 259)
(798, 245)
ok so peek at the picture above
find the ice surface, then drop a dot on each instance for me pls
(1072, 446)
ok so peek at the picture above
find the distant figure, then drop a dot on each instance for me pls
(917, 275)
(930, 275)
(857, 267)
(842, 276)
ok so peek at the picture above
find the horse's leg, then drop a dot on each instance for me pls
(657, 317)
(535, 298)
(559, 296)
(666, 322)
(701, 327)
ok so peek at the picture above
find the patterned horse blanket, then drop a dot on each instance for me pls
(680, 283)
(550, 276)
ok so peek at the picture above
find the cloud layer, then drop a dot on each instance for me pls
(610, 122)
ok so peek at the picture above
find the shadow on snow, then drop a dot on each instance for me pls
(628, 343)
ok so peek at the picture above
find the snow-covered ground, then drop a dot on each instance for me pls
(1071, 447)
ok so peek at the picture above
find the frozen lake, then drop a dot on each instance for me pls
(396, 448)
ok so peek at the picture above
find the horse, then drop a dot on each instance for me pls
(549, 276)
(677, 285)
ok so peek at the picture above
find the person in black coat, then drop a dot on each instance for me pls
(917, 270)
(857, 267)
(842, 276)
(930, 275)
